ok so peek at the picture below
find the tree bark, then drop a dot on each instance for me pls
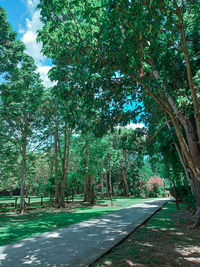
(106, 182)
(185, 149)
(125, 182)
(109, 176)
(92, 189)
(102, 184)
(189, 74)
(27, 189)
(23, 177)
(66, 168)
(175, 194)
(86, 178)
(56, 165)
(133, 182)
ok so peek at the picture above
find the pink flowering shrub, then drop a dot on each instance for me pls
(154, 185)
(152, 188)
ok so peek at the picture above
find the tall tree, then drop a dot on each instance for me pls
(21, 100)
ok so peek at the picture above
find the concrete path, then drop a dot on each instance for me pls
(79, 244)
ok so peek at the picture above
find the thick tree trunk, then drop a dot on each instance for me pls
(185, 149)
(195, 152)
(56, 165)
(23, 177)
(125, 182)
(182, 159)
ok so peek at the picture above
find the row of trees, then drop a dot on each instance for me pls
(109, 70)
(131, 51)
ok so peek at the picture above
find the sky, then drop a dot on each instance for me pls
(25, 20)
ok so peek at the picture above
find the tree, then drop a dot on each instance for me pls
(21, 95)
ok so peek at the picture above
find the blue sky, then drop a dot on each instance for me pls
(25, 20)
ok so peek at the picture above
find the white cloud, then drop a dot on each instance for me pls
(29, 35)
(31, 5)
(43, 70)
(134, 125)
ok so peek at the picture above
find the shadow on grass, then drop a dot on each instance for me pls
(165, 240)
(14, 228)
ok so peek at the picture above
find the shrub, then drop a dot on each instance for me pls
(154, 185)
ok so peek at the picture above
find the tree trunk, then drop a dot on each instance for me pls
(189, 75)
(182, 159)
(62, 193)
(86, 178)
(11, 192)
(27, 189)
(133, 182)
(102, 184)
(92, 189)
(110, 182)
(125, 182)
(56, 165)
(102, 187)
(195, 152)
(23, 177)
(106, 182)
(185, 149)
(175, 194)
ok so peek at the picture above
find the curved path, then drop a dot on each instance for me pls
(78, 244)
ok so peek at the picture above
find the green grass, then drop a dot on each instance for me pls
(165, 240)
(34, 202)
(14, 227)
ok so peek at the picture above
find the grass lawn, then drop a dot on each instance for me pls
(14, 227)
(34, 202)
(165, 240)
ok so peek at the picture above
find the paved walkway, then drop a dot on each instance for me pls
(79, 244)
